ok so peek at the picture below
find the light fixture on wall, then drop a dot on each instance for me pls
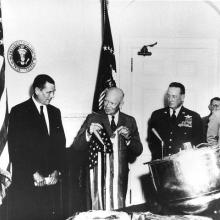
(144, 50)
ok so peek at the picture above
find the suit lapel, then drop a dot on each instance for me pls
(166, 114)
(36, 115)
(33, 109)
(121, 120)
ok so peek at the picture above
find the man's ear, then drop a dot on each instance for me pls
(182, 97)
(121, 104)
(37, 90)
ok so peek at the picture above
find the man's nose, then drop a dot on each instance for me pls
(106, 103)
(170, 99)
(52, 95)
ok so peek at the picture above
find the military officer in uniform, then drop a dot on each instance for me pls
(174, 127)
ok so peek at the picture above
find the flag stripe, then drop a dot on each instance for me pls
(4, 161)
(2, 77)
(3, 111)
(5, 179)
(3, 133)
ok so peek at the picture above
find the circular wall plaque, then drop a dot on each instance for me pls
(21, 56)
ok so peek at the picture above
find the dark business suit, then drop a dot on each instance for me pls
(188, 127)
(127, 153)
(31, 149)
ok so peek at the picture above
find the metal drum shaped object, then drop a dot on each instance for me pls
(188, 180)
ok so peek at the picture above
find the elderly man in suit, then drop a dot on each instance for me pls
(113, 122)
(36, 143)
(174, 127)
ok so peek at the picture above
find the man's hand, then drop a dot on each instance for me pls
(54, 177)
(94, 127)
(125, 132)
(39, 179)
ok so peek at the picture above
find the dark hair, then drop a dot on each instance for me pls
(40, 81)
(214, 99)
(178, 85)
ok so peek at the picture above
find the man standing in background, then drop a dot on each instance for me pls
(36, 143)
(214, 105)
(174, 125)
(213, 131)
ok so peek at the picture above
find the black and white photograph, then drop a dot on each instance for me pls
(109, 109)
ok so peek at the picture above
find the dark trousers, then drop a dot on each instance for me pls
(36, 203)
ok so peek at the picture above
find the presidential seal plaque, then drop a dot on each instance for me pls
(21, 56)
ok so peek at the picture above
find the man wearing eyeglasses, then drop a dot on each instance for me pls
(103, 127)
(214, 105)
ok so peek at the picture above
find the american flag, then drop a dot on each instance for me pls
(4, 156)
(96, 146)
(100, 161)
(101, 152)
(107, 65)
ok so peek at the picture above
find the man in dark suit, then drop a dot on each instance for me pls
(174, 127)
(36, 143)
(113, 121)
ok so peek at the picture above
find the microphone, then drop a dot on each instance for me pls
(158, 136)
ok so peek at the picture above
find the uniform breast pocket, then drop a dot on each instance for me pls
(186, 132)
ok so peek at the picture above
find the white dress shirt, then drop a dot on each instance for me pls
(177, 110)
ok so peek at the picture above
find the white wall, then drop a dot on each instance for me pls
(66, 35)
(155, 20)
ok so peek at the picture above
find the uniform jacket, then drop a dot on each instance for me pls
(126, 153)
(31, 149)
(188, 128)
(213, 131)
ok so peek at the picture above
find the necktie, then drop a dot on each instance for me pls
(113, 125)
(173, 117)
(43, 117)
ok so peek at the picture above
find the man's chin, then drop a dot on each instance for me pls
(108, 112)
(172, 106)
